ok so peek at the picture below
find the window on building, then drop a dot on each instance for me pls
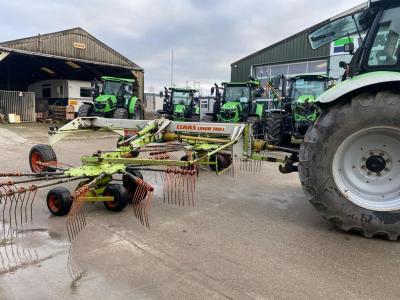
(279, 70)
(317, 67)
(266, 72)
(299, 68)
(46, 91)
(86, 92)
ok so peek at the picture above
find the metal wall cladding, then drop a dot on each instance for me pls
(75, 44)
(295, 48)
(19, 103)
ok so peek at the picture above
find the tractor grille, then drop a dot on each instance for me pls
(100, 106)
(227, 114)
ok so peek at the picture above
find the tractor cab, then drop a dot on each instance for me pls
(181, 104)
(111, 93)
(239, 101)
(302, 91)
(379, 50)
(113, 97)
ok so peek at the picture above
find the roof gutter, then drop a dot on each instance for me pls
(24, 52)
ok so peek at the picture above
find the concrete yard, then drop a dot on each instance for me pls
(254, 236)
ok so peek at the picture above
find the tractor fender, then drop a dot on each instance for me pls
(132, 104)
(260, 110)
(357, 83)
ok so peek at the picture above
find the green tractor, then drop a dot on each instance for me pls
(113, 98)
(239, 102)
(294, 109)
(349, 163)
(180, 104)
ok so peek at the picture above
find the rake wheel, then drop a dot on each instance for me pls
(41, 154)
(59, 201)
(121, 197)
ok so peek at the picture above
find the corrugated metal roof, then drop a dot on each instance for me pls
(75, 44)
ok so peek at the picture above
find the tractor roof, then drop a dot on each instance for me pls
(183, 89)
(118, 79)
(243, 83)
(308, 76)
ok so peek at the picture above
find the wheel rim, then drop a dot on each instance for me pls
(54, 204)
(366, 168)
(111, 204)
(36, 159)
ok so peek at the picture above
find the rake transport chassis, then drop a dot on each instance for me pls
(153, 148)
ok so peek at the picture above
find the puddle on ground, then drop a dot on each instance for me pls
(21, 248)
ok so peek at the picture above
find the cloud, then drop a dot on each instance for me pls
(207, 36)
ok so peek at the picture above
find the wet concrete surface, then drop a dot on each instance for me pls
(251, 237)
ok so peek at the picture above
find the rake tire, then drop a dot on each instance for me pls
(41, 153)
(121, 197)
(59, 201)
(129, 184)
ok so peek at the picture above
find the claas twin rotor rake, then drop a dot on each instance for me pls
(174, 151)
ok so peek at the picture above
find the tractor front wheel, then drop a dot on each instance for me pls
(274, 130)
(85, 110)
(121, 197)
(41, 154)
(350, 164)
(59, 201)
(120, 113)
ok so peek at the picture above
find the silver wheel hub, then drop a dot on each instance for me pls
(366, 168)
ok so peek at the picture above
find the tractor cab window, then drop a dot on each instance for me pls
(303, 87)
(112, 87)
(386, 47)
(339, 28)
(237, 94)
(181, 97)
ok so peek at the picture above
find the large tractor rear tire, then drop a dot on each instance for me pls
(274, 134)
(350, 164)
(85, 110)
(120, 113)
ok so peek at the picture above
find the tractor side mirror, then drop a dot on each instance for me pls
(212, 90)
(161, 94)
(349, 48)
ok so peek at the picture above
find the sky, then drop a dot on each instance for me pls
(205, 35)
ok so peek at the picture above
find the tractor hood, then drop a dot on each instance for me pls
(230, 105)
(179, 109)
(104, 98)
(305, 98)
